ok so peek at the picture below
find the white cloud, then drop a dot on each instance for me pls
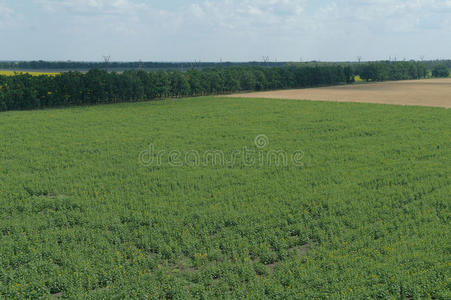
(234, 29)
(247, 13)
(93, 6)
(317, 18)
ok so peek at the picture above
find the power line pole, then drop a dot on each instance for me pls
(106, 59)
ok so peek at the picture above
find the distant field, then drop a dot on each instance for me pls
(34, 73)
(113, 202)
(430, 92)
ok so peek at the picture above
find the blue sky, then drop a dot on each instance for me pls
(231, 30)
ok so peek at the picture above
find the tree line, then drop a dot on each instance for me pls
(146, 65)
(440, 71)
(430, 64)
(24, 91)
(118, 66)
(388, 70)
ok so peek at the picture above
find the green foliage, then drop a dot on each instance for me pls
(440, 71)
(349, 74)
(121, 66)
(366, 215)
(24, 91)
(381, 71)
(431, 63)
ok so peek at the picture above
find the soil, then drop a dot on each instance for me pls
(426, 92)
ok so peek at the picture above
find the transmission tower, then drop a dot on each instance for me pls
(106, 59)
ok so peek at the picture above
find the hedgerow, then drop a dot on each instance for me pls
(24, 91)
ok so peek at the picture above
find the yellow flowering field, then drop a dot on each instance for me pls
(12, 73)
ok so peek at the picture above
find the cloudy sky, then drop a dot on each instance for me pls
(231, 30)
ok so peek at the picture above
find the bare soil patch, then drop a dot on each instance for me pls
(427, 92)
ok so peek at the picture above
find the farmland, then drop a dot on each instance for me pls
(33, 73)
(87, 210)
(431, 92)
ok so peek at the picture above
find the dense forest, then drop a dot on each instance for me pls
(140, 65)
(120, 66)
(430, 64)
(381, 71)
(24, 91)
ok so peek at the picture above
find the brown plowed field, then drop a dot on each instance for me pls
(428, 92)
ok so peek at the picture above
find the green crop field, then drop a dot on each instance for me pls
(215, 197)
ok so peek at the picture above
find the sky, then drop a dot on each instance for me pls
(227, 30)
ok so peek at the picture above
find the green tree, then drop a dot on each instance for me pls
(163, 84)
(194, 79)
(248, 81)
(440, 71)
(349, 74)
(179, 84)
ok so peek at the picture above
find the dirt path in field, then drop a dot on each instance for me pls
(428, 92)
